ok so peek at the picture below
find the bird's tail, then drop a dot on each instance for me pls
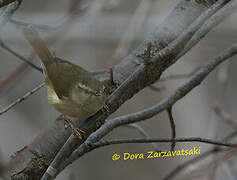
(38, 44)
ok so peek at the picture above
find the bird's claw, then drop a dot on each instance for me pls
(76, 131)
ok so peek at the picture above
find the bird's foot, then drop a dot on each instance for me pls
(76, 131)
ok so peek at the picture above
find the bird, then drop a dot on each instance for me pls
(72, 90)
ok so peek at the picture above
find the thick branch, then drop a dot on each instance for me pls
(152, 111)
(23, 164)
(7, 13)
(6, 2)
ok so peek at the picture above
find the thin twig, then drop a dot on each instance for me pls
(11, 51)
(142, 132)
(72, 142)
(214, 20)
(172, 125)
(19, 100)
(180, 76)
(203, 156)
(167, 102)
(152, 111)
(52, 26)
(6, 2)
(173, 77)
(225, 116)
(102, 143)
(181, 167)
(7, 14)
(124, 91)
(211, 17)
(138, 19)
(12, 76)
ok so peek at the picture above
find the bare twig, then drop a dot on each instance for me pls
(218, 160)
(142, 132)
(172, 125)
(136, 22)
(167, 102)
(181, 167)
(173, 77)
(161, 140)
(214, 20)
(152, 111)
(7, 14)
(11, 51)
(21, 99)
(129, 91)
(13, 75)
(180, 76)
(203, 156)
(6, 2)
(72, 13)
(181, 92)
(206, 25)
(225, 116)
(140, 72)
(52, 26)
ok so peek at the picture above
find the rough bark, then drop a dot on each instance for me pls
(33, 160)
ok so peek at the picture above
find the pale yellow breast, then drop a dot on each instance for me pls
(69, 107)
(53, 97)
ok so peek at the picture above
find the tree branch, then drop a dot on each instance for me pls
(142, 132)
(103, 143)
(203, 156)
(6, 2)
(19, 100)
(22, 165)
(8, 12)
(10, 50)
(152, 111)
(172, 125)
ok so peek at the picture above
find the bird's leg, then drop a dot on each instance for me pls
(76, 131)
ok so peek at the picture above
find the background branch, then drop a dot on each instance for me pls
(23, 164)
(152, 111)
(19, 100)
(174, 173)
(143, 133)
(11, 51)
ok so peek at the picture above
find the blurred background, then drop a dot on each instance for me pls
(98, 35)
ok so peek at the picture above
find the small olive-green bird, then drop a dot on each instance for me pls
(72, 90)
